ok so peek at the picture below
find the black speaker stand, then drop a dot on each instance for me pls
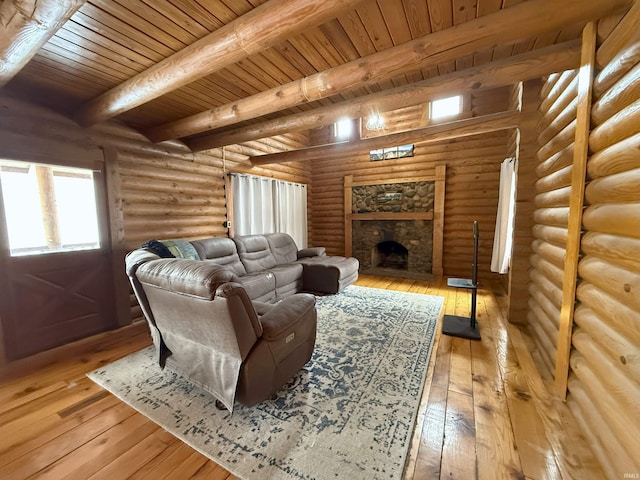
(455, 325)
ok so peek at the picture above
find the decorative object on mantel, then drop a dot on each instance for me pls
(458, 326)
(348, 414)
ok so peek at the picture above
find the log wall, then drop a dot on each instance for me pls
(556, 132)
(471, 193)
(155, 191)
(604, 360)
(523, 145)
(604, 381)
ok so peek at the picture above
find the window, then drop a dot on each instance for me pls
(267, 205)
(48, 208)
(400, 151)
(446, 107)
(343, 129)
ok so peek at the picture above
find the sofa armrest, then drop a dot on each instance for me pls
(282, 317)
(312, 252)
(186, 277)
(262, 308)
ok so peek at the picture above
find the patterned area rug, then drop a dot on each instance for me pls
(349, 414)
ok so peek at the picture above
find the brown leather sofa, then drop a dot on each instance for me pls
(206, 328)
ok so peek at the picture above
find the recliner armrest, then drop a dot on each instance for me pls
(279, 320)
(138, 257)
(241, 306)
(186, 277)
(312, 252)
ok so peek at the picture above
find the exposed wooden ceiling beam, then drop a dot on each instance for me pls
(523, 20)
(430, 134)
(26, 25)
(504, 72)
(261, 28)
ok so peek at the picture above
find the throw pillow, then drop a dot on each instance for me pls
(181, 249)
(159, 248)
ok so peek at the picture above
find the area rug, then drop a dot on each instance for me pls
(349, 414)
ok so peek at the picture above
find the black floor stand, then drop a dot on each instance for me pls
(465, 327)
(457, 326)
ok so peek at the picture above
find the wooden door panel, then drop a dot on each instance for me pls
(58, 298)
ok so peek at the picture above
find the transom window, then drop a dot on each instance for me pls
(446, 107)
(343, 129)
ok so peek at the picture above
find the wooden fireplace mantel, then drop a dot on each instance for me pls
(393, 216)
(437, 215)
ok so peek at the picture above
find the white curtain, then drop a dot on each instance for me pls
(252, 205)
(291, 210)
(503, 237)
(265, 205)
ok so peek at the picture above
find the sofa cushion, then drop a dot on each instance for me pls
(221, 251)
(260, 286)
(286, 274)
(288, 279)
(254, 253)
(283, 247)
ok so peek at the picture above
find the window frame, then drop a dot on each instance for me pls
(56, 170)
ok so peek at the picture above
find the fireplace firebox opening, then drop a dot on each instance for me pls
(390, 254)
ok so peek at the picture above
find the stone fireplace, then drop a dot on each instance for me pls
(392, 229)
(395, 248)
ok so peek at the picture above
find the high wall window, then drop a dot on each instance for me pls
(343, 129)
(445, 107)
(48, 208)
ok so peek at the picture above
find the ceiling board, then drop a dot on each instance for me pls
(109, 41)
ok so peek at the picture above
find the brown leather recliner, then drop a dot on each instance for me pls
(205, 327)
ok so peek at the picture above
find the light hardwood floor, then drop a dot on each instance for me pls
(483, 413)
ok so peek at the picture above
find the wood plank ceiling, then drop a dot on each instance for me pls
(106, 42)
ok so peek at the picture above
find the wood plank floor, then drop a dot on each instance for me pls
(485, 412)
